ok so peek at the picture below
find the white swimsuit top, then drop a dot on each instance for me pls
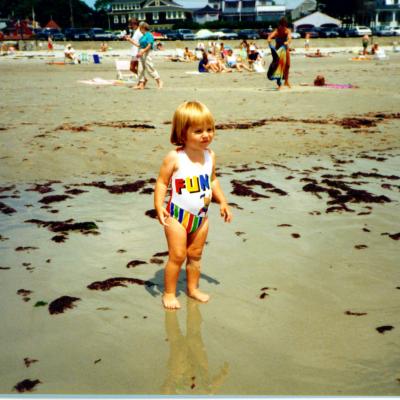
(191, 184)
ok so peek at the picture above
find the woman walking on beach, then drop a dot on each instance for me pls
(279, 69)
(146, 44)
(134, 40)
(190, 169)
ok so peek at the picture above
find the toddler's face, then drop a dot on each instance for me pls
(199, 137)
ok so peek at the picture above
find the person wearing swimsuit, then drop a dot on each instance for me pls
(190, 173)
(283, 36)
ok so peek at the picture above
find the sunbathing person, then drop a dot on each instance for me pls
(188, 55)
(232, 62)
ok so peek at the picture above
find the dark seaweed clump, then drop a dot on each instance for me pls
(119, 189)
(161, 254)
(384, 328)
(54, 199)
(151, 213)
(26, 385)
(357, 314)
(61, 304)
(5, 209)
(29, 361)
(113, 282)
(63, 227)
(394, 236)
(341, 194)
(25, 248)
(243, 188)
(134, 263)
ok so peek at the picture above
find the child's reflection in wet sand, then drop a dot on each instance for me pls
(187, 368)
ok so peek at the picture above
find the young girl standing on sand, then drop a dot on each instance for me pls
(190, 169)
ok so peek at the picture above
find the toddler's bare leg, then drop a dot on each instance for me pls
(176, 238)
(195, 246)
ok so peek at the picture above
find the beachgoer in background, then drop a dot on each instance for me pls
(146, 43)
(307, 42)
(188, 55)
(104, 47)
(365, 43)
(232, 62)
(191, 171)
(283, 36)
(159, 46)
(50, 45)
(204, 65)
(253, 56)
(69, 53)
(134, 40)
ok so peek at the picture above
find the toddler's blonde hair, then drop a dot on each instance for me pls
(188, 114)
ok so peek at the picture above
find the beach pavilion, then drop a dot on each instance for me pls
(316, 20)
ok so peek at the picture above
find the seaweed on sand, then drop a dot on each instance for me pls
(5, 209)
(120, 281)
(61, 304)
(26, 385)
(119, 189)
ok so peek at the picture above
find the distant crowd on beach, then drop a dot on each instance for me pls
(217, 58)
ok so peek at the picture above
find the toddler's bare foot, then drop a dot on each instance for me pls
(287, 84)
(197, 295)
(170, 301)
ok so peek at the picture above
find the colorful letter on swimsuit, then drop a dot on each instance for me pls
(191, 191)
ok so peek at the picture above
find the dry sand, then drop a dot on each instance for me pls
(300, 280)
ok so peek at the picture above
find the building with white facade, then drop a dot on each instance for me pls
(387, 12)
(252, 10)
(151, 11)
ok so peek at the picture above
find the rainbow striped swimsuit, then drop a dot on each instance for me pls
(191, 191)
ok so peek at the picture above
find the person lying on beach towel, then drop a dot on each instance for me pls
(317, 54)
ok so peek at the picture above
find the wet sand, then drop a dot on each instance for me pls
(304, 282)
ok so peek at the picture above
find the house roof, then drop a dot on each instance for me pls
(52, 24)
(206, 10)
(317, 19)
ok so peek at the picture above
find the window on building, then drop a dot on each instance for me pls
(155, 16)
(116, 20)
(123, 19)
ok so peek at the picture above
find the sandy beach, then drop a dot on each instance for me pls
(304, 283)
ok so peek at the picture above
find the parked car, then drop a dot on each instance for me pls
(345, 32)
(248, 34)
(328, 33)
(296, 35)
(169, 34)
(383, 30)
(76, 34)
(227, 34)
(395, 30)
(100, 34)
(54, 33)
(185, 34)
(362, 30)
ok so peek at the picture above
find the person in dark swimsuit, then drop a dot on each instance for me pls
(283, 36)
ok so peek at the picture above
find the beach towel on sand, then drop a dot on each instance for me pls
(277, 68)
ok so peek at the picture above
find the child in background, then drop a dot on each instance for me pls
(190, 169)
